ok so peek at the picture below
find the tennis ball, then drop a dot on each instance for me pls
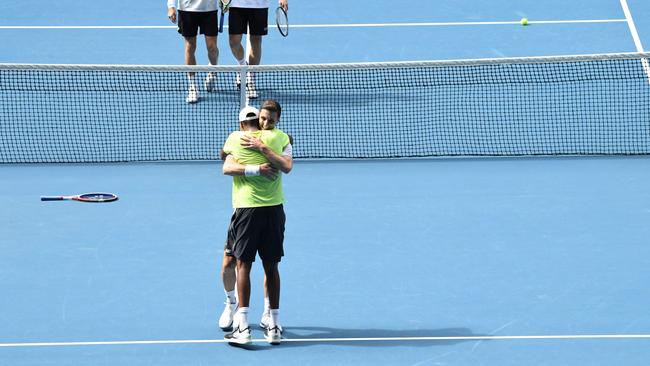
(524, 21)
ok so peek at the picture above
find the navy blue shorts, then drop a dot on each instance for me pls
(256, 230)
(190, 22)
(239, 19)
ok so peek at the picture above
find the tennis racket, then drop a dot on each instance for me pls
(225, 4)
(282, 21)
(86, 197)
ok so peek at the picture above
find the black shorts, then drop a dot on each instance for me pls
(239, 19)
(256, 230)
(189, 23)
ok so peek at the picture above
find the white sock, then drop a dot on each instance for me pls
(232, 297)
(275, 318)
(192, 81)
(242, 318)
(242, 62)
(267, 305)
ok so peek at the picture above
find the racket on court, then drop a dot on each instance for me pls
(282, 21)
(86, 197)
(225, 4)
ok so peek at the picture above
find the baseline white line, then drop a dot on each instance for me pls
(432, 24)
(371, 339)
(443, 24)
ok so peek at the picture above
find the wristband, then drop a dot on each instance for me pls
(252, 170)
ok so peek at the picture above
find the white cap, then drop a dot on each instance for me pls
(245, 114)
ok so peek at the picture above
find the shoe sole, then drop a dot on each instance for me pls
(274, 342)
(242, 342)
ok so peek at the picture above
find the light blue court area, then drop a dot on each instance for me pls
(457, 261)
(104, 32)
(454, 252)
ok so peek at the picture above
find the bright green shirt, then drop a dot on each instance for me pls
(256, 191)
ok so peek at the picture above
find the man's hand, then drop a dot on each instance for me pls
(252, 142)
(284, 4)
(171, 14)
(224, 9)
(268, 171)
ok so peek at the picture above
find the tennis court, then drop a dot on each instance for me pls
(414, 261)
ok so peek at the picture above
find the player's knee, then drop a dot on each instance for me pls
(235, 42)
(190, 44)
(211, 44)
(270, 268)
(228, 262)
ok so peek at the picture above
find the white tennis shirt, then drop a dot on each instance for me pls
(249, 4)
(194, 5)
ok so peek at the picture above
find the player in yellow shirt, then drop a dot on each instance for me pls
(257, 226)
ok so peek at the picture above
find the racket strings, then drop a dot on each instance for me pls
(282, 21)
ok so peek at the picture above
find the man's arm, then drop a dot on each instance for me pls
(171, 10)
(283, 162)
(233, 168)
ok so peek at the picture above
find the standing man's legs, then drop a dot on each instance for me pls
(190, 59)
(190, 50)
(213, 50)
(272, 283)
(213, 57)
(228, 277)
(255, 56)
(244, 285)
(236, 47)
(241, 333)
(238, 50)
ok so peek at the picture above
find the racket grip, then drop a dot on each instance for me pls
(221, 23)
(51, 198)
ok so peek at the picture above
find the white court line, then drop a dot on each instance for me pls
(333, 340)
(630, 23)
(635, 36)
(433, 24)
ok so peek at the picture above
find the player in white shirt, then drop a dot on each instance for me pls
(250, 15)
(193, 16)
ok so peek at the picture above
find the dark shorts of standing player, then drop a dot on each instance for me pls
(256, 230)
(240, 19)
(190, 23)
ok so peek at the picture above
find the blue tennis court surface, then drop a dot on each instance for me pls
(511, 261)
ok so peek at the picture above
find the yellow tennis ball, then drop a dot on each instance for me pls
(524, 21)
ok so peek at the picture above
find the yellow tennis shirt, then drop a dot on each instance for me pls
(256, 191)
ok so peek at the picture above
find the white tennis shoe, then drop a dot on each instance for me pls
(266, 319)
(239, 336)
(210, 81)
(273, 335)
(251, 92)
(192, 95)
(226, 318)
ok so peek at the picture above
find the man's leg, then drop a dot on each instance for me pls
(190, 59)
(236, 48)
(228, 277)
(213, 57)
(244, 282)
(255, 56)
(274, 330)
(242, 333)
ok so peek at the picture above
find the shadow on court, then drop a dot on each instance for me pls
(317, 333)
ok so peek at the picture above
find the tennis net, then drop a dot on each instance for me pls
(583, 105)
